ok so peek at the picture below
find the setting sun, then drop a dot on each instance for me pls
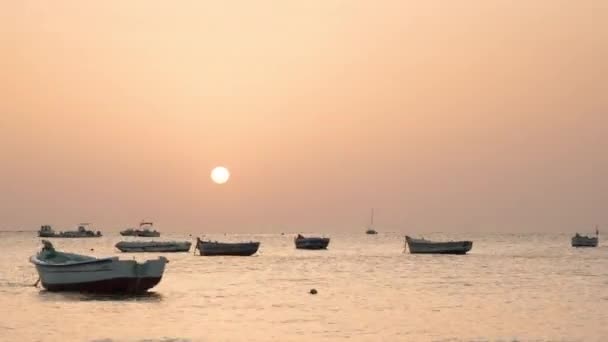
(220, 175)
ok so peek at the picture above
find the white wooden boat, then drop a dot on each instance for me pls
(423, 246)
(81, 232)
(302, 242)
(586, 241)
(153, 246)
(145, 230)
(61, 271)
(214, 248)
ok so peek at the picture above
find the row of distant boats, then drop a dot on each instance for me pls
(61, 271)
(145, 230)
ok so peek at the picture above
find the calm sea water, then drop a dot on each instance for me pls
(530, 287)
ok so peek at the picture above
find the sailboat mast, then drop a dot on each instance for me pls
(372, 220)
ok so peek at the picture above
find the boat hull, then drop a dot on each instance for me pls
(417, 246)
(109, 275)
(152, 247)
(151, 234)
(114, 285)
(68, 236)
(207, 248)
(311, 243)
(583, 241)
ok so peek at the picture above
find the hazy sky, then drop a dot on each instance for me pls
(444, 115)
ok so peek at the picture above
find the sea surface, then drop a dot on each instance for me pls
(526, 287)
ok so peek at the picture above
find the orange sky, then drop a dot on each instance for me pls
(445, 116)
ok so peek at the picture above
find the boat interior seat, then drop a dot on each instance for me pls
(53, 257)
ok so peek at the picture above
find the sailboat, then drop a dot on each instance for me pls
(370, 230)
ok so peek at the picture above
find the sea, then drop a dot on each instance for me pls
(510, 287)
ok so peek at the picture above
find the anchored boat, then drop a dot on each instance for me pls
(60, 271)
(422, 246)
(214, 248)
(153, 246)
(145, 230)
(370, 229)
(311, 242)
(48, 232)
(586, 241)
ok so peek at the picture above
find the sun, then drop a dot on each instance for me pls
(220, 175)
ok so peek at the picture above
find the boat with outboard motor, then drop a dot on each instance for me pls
(422, 246)
(60, 271)
(47, 231)
(302, 242)
(214, 248)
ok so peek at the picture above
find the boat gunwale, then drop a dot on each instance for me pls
(312, 238)
(34, 260)
(431, 242)
(251, 243)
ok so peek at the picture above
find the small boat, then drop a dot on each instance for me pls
(59, 271)
(81, 232)
(370, 230)
(46, 231)
(153, 246)
(311, 242)
(214, 248)
(423, 246)
(586, 241)
(143, 231)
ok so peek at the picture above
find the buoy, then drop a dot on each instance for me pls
(313, 291)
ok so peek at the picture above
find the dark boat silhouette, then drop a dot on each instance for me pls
(214, 248)
(311, 242)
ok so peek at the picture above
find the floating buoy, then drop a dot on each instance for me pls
(313, 291)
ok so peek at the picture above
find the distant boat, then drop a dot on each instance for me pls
(311, 242)
(214, 248)
(61, 271)
(370, 230)
(48, 232)
(153, 246)
(144, 231)
(417, 246)
(586, 241)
